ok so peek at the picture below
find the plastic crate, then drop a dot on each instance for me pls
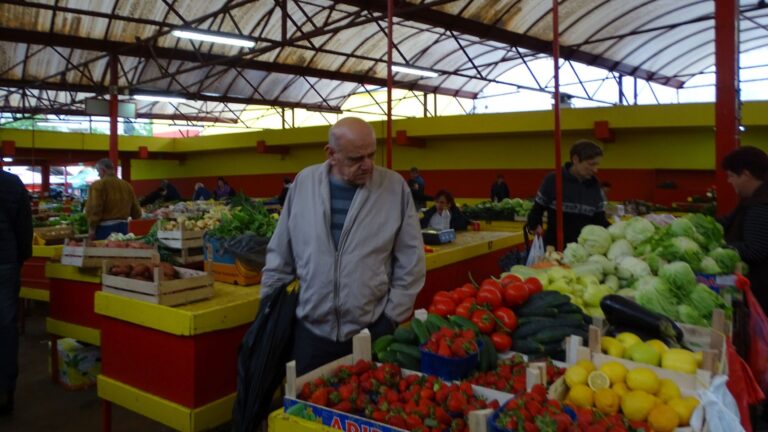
(449, 369)
(438, 237)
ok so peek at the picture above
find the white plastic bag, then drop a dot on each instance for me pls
(718, 407)
(536, 253)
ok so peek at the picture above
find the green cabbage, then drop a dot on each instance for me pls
(575, 253)
(709, 230)
(655, 294)
(682, 249)
(594, 294)
(638, 230)
(595, 239)
(609, 267)
(709, 266)
(684, 228)
(588, 268)
(612, 282)
(631, 268)
(627, 292)
(654, 262)
(617, 230)
(703, 300)
(689, 315)
(679, 276)
(726, 259)
(620, 248)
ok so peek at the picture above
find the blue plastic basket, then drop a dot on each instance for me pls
(449, 369)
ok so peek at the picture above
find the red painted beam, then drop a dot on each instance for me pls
(726, 96)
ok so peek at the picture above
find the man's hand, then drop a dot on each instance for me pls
(539, 231)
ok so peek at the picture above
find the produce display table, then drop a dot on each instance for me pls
(476, 252)
(503, 226)
(35, 285)
(175, 365)
(279, 421)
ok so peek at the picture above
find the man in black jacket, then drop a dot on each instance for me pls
(583, 199)
(499, 190)
(15, 248)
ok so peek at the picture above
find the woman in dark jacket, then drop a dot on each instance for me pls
(444, 214)
(746, 229)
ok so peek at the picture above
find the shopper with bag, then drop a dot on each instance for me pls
(350, 234)
(583, 199)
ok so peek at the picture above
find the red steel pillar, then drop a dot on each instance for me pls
(558, 134)
(390, 45)
(113, 153)
(727, 112)
(125, 167)
(45, 178)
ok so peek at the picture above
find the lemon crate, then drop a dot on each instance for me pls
(92, 254)
(361, 350)
(181, 238)
(191, 286)
(55, 234)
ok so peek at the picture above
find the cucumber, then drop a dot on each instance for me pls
(408, 361)
(387, 356)
(531, 329)
(439, 321)
(556, 334)
(493, 356)
(381, 344)
(546, 299)
(569, 308)
(484, 358)
(411, 350)
(420, 329)
(464, 323)
(527, 346)
(538, 312)
(405, 335)
(553, 347)
(526, 320)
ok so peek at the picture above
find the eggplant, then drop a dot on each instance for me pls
(623, 312)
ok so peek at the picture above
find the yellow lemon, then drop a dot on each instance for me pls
(620, 388)
(581, 396)
(684, 408)
(628, 339)
(662, 418)
(576, 375)
(586, 365)
(668, 390)
(658, 345)
(616, 371)
(612, 347)
(598, 380)
(643, 379)
(636, 405)
(679, 360)
(699, 356)
(607, 401)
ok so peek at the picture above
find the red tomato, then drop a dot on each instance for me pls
(441, 294)
(443, 306)
(464, 310)
(534, 285)
(456, 297)
(490, 283)
(470, 301)
(484, 321)
(501, 341)
(489, 297)
(515, 294)
(506, 318)
(465, 292)
(509, 279)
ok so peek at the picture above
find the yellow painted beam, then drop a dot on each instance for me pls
(47, 251)
(503, 226)
(35, 294)
(471, 244)
(232, 306)
(161, 410)
(81, 141)
(74, 331)
(60, 271)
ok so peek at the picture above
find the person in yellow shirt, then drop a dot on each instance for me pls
(111, 201)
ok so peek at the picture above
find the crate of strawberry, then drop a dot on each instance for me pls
(450, 354)
(350, 394)
(510, 375)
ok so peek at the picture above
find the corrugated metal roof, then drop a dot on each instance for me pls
(321, 51)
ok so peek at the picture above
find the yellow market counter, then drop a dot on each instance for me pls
(175, 365)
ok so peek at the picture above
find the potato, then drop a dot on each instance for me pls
(139, 269)
(169, 273)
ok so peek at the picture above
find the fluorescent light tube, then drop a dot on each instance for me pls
(414, 71)
(7, 159)
(156, 98)
(175, 126)
(62, 124)
(215, 38)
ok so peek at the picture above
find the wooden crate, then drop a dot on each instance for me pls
(55, 234)
(361, 350)
(92, 254)
(189, 255)
(181, 238)
(191, 286)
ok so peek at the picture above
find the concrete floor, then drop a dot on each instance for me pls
(43, 406)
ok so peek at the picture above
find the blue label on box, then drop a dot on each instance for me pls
(218, 256)
(335, 419)
(716, 282)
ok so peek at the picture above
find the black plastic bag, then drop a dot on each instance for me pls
(266, 348)
(249, 249)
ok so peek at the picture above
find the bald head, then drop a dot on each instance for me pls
(351, 149)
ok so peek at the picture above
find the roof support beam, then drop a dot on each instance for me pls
(478, 29)
(153, 116)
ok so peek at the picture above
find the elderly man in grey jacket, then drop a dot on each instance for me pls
(349, 232)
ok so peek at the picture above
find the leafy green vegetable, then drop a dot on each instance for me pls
(709, 266)
(638, 230)
(709, 230)
(595, 239)
(609, 267)
(680, 277)
(620, 248)
(246, 216)
(689, 315)
(631, 268)
(654, 262)
(703, 300)
(575, 253)
(617, 230)
(682, 249)
(725, 258)
(655, 294)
